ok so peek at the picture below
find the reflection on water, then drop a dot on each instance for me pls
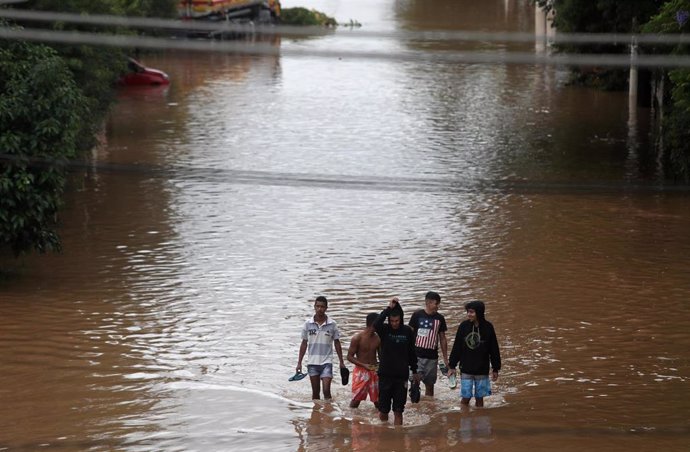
(250, 185)
(474, 428)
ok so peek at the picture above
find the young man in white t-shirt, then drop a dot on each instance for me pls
(319, 335)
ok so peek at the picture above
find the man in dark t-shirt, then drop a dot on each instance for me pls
(430, 330)
(397, 360)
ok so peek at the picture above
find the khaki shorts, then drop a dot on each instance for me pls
(429, 370)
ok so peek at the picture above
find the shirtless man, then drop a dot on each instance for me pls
(363, 353)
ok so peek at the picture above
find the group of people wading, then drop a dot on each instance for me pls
(388, 354)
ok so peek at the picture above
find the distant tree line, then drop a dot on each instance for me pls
(306, 17)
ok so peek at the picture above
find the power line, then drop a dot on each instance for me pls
(256, 48)
(431, 35)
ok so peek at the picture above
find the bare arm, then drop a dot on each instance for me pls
(352, 351)
(302, 351)
(339, 351)
(444, 347)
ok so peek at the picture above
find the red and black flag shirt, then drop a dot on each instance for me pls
(428, 329)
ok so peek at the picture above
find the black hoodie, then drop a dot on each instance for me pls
(476, 352)
(397, 353)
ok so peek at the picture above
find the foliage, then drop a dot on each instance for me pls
(149, 8)
(603, 16)
(604, 79)
(634, 16)
(670, 18)
(304, 16)
(600, 16)
(52, 102)
(96, 69)
(677, 126)
(547, 5)
(40, 109)
(674, 18)
(143, 8)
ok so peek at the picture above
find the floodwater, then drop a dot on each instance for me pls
(219, 207)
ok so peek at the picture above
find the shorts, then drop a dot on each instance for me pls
(365, 381)
(323, 371)
(394, 389)
(428, 369)
(480, 383)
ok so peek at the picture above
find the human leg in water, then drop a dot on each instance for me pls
(327, 387)
(397, 418)
(315, 386)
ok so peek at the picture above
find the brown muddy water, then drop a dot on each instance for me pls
(219, 207)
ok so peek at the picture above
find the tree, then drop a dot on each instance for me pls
(304, 16)
(603, 16)
(52, 102)
(96, 68)
(600, 16)
(143, 8)
(40, 110)
(674, 17)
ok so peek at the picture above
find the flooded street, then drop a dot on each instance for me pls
(219, 207)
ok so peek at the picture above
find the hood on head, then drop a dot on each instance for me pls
(478, 307)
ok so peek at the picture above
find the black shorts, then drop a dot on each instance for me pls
(392, 389)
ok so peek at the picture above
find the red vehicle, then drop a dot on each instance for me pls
(140, 75)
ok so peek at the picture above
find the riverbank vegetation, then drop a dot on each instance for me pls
(674, 17)
(41, 115)
(636, 16)
(53, 99)
(599, 16)
(304, 16)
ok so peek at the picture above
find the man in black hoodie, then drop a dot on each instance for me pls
(397, 358)
(475, 347)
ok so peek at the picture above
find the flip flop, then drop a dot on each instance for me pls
(344, 375)
(415, 392)
(298, 376)
(452, 382)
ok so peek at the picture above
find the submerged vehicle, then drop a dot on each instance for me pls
(139, 75)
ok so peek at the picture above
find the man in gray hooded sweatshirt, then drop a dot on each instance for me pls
(475, 347)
